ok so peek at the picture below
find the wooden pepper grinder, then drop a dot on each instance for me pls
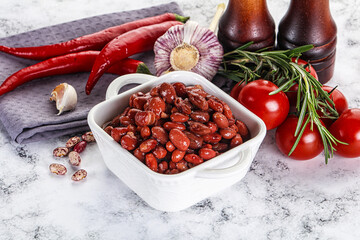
(245, 21)
(310, 22)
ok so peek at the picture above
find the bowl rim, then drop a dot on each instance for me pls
(192, 171)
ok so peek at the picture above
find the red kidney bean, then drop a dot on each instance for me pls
(139, 102)
(80, 147)
(167, 92)
(242, 129)
(129, 141)
(196, 89)
(212, 138)
(207, 145)
(220, 147)
(200, 116)
(160, 152)
(198, 100)
(199, 128)
(72, 142)
(144, 118)
(172, 165)
(151, 162)
(193, 158)
(154, 92)
(156, 105)
(227, 110)
(170, 147)
(231, 121)
(179, 139)
(131, 113)
(172, 171)
(227, 133)
(133, 96)
(179, 117)
(139, 155)
(213, 127)
(177, 155)
(195, 141)
(118, 132)
(115, 122)
(159, 122)
(108, 129)
(126, 110)
(233, 126)
(145, 132)
(163, 166)
(182, 165)
(215, 105)
(236, 141)
(182, 106)
(207, 153)
(220, 120)
(148, 145)
(180, 89)
(125, 120)
(171, 125)
(160, 134)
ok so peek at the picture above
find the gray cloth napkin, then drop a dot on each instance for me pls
(27, 113)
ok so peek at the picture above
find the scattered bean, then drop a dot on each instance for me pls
(58, 169)
(88, 137)
(72, 141)
(80, 147)
(74, 158)
(79, 175)
(61, 151)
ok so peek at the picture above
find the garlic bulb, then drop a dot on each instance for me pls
(65, 96)
(188, 47)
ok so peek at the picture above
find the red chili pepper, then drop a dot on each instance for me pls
(94, 41)
(70, 63)
(127, 44)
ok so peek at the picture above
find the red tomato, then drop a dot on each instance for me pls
(236, 90)
(347, 129)
(272, 109)
(338, 98)
(309, 68)
(309, 146)
(292, 93)
(340, 102)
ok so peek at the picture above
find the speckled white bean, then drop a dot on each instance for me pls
(58, 169)
(79, 175)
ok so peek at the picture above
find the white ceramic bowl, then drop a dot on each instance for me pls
(178, 191)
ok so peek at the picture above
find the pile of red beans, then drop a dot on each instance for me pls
(175, 127)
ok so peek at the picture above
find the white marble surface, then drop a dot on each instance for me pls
(278, 199)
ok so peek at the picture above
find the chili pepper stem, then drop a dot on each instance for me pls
(181, 18)
(142, 68)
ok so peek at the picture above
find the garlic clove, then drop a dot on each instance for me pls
(65, 96)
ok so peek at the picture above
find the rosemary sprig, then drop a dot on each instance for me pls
(277, 66)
